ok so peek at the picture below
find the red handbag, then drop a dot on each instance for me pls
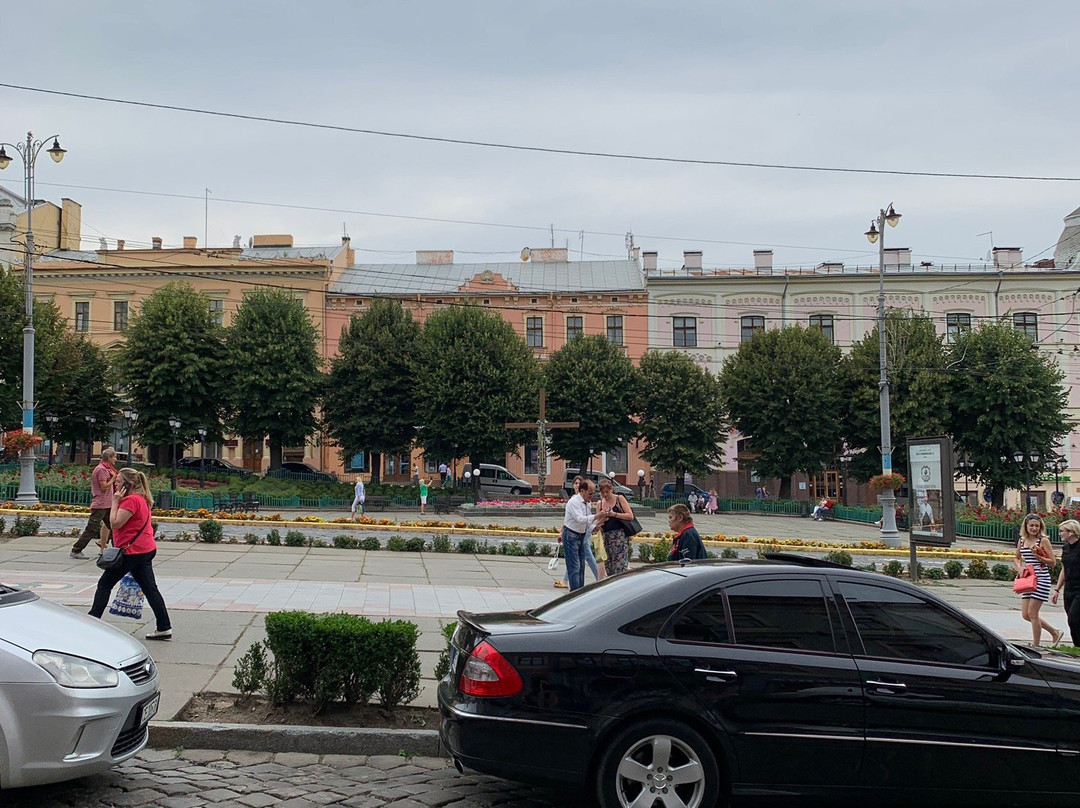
(1026, 581)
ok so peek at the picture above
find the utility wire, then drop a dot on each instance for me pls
(535, 149)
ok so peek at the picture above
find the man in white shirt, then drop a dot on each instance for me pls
(358, 498)
(577, 525)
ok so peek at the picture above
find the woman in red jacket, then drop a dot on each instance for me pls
(134, 534)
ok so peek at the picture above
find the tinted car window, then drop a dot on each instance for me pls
(899, 625)
(602, 598)
(704, 621)
(788, 614)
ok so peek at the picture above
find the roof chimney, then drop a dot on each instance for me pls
(273, 240)
(550, 255)
(762, 259)
(190, 242)
(350, 253)
(156, 242)
(434, 256)
(897, 256)
(648, 259)
(1008, 257)
(691, 259)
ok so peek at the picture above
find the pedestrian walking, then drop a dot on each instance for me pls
(1034, 550)
(358, 498)
(415, 475)
(713, 505)
(101, 490)
(133, 533)
(1069, 577)
(423, 495)
(614, 512)
(687, 543)
(444, 472)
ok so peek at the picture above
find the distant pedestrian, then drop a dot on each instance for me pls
(764, 492)
(759, 493)
(134, 534)
(415, 475)
(687, 543)
(712, 506)
(691, 502)
(1034, 550)
(641, 486)
(358, 498)
(444, 472)
(423, 495)
(1069, 578)
(98, 525)
(652, 489)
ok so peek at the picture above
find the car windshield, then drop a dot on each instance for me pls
(604, 597)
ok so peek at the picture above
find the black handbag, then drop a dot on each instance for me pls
(630, 527)
(112, 558)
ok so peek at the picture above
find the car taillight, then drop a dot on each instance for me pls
(487, 673)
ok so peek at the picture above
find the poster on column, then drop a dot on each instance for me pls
(931, 517)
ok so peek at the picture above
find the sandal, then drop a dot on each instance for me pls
(562, 584)
(1057, 638)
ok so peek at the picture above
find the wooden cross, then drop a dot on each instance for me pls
(542, 425)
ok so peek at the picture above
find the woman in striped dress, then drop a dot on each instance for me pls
(1034, 548)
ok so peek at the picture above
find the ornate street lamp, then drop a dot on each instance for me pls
(174, 425)
(202, 457)
(52, 420)
(90, 421)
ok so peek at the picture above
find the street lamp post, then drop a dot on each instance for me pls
(965, 466)
(29, 152)
(131, 415)
(876, 233)
(52, 420)
(202, 457)
(468, 479)
(1058, 466)
(90, 421)
(1028, 460)
(174, 425)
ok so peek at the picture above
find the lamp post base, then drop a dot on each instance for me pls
(889, 534)
(27, 494)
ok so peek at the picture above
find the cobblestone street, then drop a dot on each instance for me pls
(165, 778)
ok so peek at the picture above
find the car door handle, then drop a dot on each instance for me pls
(895, 687)
(725, 676)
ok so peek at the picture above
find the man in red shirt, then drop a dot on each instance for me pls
(101, 487)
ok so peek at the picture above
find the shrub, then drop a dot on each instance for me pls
(210, 531)
(273, 538)
(644, 552)
(978, 570)
(3, 525)
(531, 548)
(935, 574)
(729, 552)
(442, 667)
(894, 569)
(660, 551)
(871, 567)
(510, 548)
(414, 545)
(25, 526)
(1003, 572)
(440, 543)
(953, 568)
(294, 538)
(251, 671)
(251, 538)
(344, 541)
(545, 550)
(468, 546)
(396, 544)
(370, 543)
(839, 557)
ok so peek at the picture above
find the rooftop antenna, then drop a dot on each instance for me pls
(552, 226)
(990, 252)
(206, 220)
(629, 243)
(581, 242)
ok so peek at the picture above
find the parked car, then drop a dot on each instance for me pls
(668, 492)
(771, 677)
(76, 694)
(302, 471)
(595, 476)
(498, 480)
(212, 465)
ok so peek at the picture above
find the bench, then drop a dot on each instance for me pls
(246, 503)
(374, 504)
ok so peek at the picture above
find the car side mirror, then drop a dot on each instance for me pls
(1011, 661)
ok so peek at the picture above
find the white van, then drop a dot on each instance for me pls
(499, 480)
(595, 476)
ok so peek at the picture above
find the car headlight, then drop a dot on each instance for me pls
(73, 671)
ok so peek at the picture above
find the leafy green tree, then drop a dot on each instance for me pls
(370, 399)
(918, 402)
(272, 352)
(48, 328)
(782, 391)
(592, 381)
(172, 363)
(474, 373)
(76, 381)
(1006, 397)
(682, 415)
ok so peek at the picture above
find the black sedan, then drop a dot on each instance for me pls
(683, 685)
(211, 465)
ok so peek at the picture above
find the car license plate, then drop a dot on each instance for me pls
(149, 709)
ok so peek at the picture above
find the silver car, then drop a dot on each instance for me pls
(76, 694)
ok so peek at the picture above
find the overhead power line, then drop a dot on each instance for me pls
(535, 149)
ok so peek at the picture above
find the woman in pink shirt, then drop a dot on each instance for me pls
(133, 533)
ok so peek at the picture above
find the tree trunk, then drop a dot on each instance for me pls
(785, 488)
(275, 452)
(376, 467)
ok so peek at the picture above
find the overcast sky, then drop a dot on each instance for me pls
(954, 86)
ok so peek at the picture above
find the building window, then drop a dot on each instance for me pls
(575, 326)
(615, 329)
(534, 331)
(614, 300)
(956, 324)
(1028, 322)
(358, 462)
(396, 465)
(217, 312)
(684, 332)
(82, 315)
(825, 323)
(750, 324)
(120, 315)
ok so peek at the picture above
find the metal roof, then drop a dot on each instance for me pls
(540, 278)
(270, 253)
(83, 256)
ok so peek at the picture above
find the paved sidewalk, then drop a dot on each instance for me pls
(218, 594)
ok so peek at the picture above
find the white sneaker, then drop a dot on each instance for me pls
(160, 635)
(78, 556)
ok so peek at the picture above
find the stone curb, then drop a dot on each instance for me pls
(312, 740)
